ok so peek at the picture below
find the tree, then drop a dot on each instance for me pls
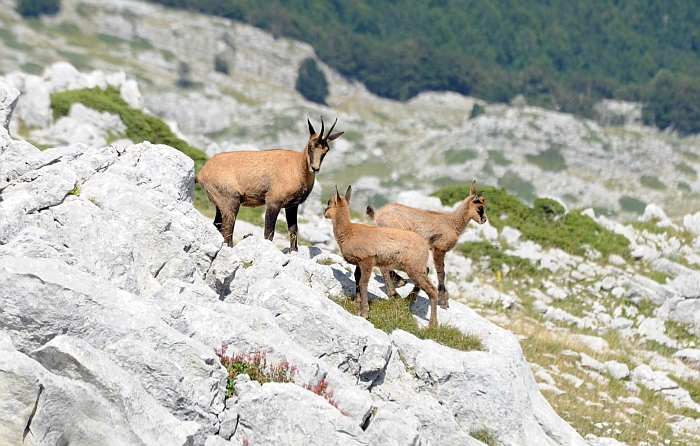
(35, 8)
(673, 101)
(311, 82)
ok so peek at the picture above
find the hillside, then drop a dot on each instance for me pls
(560, 55)
(587, 311)
(615, 165)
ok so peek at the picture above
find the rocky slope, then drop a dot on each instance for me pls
(613, 164)
(115, 294)
(612, 342)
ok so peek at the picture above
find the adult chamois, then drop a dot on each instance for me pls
(440, 229)
(367, 246)
(278, 179)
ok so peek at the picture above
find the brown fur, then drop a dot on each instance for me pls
(440, 229)
(278, 179)
(368, 246)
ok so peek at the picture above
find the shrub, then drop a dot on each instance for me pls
(139, 125)
(544, 223)
(551, 160)
(220, 65)
(311, 82)
(671, 101)
(35, 8)
(255, 366)
(631, 204)
(519, 266)
(477, 110)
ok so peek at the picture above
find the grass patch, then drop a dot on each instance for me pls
(497, 157)
(32, 68)
(545, 222)
(523, 189)
(10, 40)
(519, 267)
(139, 125)
(596, 407)
(652, 182)
(391, 314)
(685, 187)
(75, 191)
(256, 366)
(631, 204)
(459, 156)
(485, 436)
(550, 160)
(79, 61)
(687, 170)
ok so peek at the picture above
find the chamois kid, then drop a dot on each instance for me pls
(368, 246)
(440, 229)
(278, 179)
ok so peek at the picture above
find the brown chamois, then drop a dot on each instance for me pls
(278, 179)
(368, 246)
(440, 229)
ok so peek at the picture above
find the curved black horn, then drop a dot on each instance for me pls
(329, 131)
(321, 134)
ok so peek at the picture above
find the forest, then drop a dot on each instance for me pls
(560, 54)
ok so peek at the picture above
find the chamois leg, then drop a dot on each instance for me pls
(217, 219)
(271, 213)
(228, 220)
(439, 259)
(291, 214)
(358, 278)
(420, 278)
(400, 281)
(365, 272)
(390, 290)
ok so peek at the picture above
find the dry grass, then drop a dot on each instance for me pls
(597, 404)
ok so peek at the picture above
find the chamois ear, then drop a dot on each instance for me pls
(311, 128)
(348, 193)
(473, 189)
(337, 194)
(334, 136)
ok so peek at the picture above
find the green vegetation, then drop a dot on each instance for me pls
(477, 110)
(254, 365)
(498, 158)
(521, 188)
(563, 55)
(631, 204)
(459, 156)
(139, 125)
(519, 267)
(311, 82)
(545, 222)
(220, 65)
(550, 160)
(485, 436)
(35, 8)
(686, 169)
(76, 190)
(391, 314)
(652, 182)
